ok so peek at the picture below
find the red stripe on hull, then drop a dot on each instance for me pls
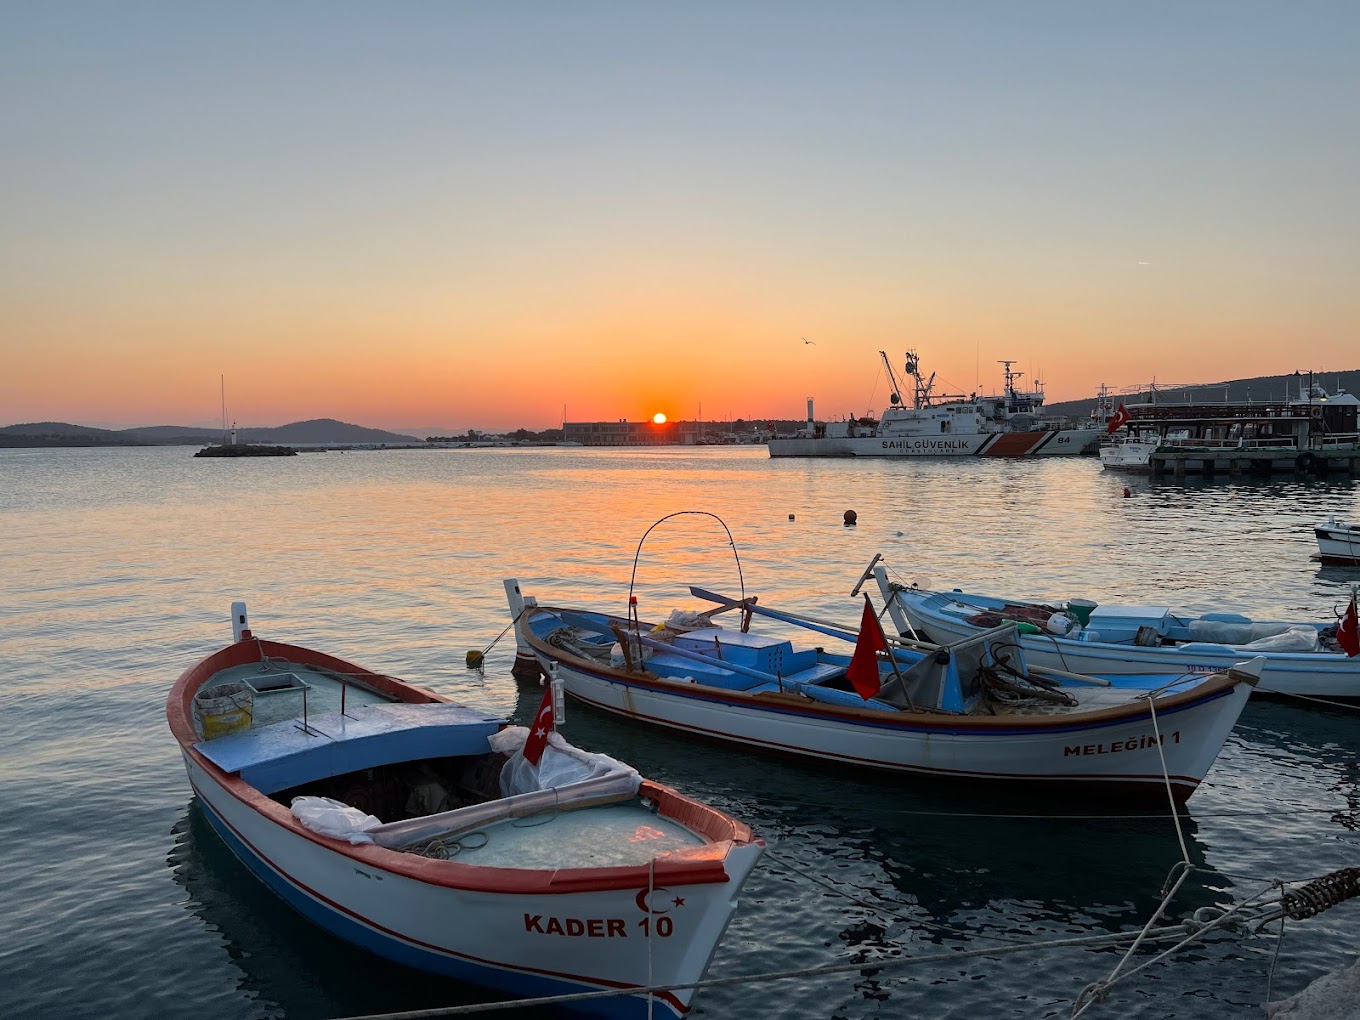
(1014, 444)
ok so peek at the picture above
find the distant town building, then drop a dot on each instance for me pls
(671, 433)
(630, 433)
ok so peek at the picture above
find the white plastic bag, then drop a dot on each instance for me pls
(334, 818)
(560, 765)
(1296, 639)
(684, 619)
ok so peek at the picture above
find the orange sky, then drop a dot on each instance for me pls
(494, 218)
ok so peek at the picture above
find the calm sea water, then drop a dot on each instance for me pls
(116, 900)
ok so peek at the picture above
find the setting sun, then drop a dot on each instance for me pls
(659, 418)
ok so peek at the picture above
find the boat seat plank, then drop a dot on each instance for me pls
(679, 667)
(281, 755)
(819, 673)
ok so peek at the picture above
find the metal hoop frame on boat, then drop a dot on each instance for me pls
(731, 542)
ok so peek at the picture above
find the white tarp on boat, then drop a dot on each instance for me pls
(560, 765)
(565, 777)
(1266, 637)
(334, 818)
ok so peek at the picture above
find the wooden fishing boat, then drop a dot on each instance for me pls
(1301, 657)
(426, 831)
(970, 710)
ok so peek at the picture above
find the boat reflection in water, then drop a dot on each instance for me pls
(932, 869)
(285, 960)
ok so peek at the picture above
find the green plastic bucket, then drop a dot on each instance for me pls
(1080, 610)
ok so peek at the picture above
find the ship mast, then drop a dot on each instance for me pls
(922, 387)
(224, 411)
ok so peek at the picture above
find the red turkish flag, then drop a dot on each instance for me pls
(1348, 633)
(539, 729)
(863, 669)
(1118, 420)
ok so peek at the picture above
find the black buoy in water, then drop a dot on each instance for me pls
(850, 518)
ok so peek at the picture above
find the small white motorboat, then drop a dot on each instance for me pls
(1301, 657)
(437, 836)
(1129, 452)
(1338, 543)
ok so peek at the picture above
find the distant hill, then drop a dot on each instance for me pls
(1259, 389)
(324, 430)
(60, 433)
(318, 431)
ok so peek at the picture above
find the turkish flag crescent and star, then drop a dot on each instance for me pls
(1118, 420)
(539, 729)
(1348, 633)
(863, 669)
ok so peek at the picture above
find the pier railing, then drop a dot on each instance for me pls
(1338, 441)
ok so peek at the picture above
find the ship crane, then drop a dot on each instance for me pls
(923, 389)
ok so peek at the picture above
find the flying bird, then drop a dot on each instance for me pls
(807, 341)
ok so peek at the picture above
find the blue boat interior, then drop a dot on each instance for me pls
(728, 659)
(303, 731)
(281, 755)
(426, 771)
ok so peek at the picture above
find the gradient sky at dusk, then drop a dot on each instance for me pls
(425, 214)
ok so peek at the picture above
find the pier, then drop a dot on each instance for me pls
(1239, 460)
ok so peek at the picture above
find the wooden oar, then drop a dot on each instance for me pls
(826, 627)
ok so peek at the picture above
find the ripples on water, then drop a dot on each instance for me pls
(120, 566)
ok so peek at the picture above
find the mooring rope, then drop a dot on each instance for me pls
(1082, 941)
(1311, 899)
(651, 923)
(502, 634)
